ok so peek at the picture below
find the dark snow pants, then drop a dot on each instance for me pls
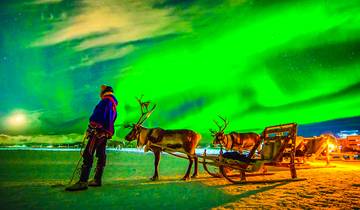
(96, 143)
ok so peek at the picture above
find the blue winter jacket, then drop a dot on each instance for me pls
(105, 114)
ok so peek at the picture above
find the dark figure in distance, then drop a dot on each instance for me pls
(101, 128)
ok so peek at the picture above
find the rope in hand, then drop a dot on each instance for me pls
(77, 168)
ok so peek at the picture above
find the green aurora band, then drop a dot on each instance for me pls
(257, 63)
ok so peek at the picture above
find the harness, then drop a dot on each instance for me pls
(149, 136)
(138, 131)
(227, 141)
(153, 139)
(239, 143)
(232, 142)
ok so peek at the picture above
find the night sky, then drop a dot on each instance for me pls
(255, 62)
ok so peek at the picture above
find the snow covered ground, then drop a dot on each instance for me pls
(336, 188)
(33, 179)
(133, 150)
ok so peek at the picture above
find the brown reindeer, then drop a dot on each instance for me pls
(179, 140)
(234, 141)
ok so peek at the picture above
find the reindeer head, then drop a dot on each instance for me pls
(145, 114)
(219, 135)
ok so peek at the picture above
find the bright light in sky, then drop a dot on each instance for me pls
(256, 62)
(17, 120)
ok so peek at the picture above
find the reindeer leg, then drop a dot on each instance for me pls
(195, 174)
(156, 164)
(187, 175)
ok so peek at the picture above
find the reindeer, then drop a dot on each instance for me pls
(179, 140)
(234, 141)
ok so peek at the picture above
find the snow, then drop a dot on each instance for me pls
(336, 188)
(33, 179)
(132, 150)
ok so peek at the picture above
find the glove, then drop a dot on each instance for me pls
(89, 131)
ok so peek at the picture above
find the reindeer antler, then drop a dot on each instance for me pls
(221, 129)
(212, 131)
(226, 122)
(144, 108)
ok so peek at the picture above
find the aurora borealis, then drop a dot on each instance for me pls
(255, 62)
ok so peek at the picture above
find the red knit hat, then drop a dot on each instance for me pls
(105, 88)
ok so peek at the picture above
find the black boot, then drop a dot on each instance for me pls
(96, 182)
(77, 186)
(82, 183)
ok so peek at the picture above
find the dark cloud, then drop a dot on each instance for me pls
(333, 126)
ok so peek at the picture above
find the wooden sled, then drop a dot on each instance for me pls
(277, 140)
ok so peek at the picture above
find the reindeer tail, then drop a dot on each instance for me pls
(198, 137)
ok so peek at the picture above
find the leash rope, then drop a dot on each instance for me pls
(77, 168)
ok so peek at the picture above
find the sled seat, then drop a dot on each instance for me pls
(237, 156)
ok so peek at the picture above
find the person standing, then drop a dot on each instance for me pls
(100, 129)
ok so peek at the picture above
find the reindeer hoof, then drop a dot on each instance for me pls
(154, 178)
(194, 176)
(186, 178)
